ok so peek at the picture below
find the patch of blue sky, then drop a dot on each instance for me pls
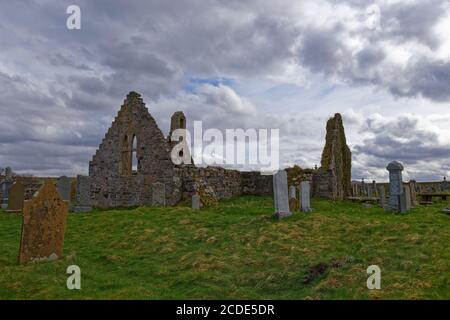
(194, 82)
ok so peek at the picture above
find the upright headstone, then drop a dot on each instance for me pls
(412, 186)
(63, 186)
(43, 226)
(5, 186)
(402, 208)
(159, 194)
(382, 195)
(83, 194)
(305, 193)
(280, 194)
(195, 202)
(292, 192)
(16, 197)
(407, 192)
(395, 184)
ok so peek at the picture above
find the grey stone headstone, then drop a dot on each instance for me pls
(280, 194)
(407, 192)
(159, 194)
(305, 194)
(395, 184)
(195, 202)
(382, 194)
(414, 201)
(369, 191)
(64, 185)
(5, 185)
(83, 194)
(292, 192)
(402, 203)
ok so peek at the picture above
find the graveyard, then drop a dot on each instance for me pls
(160, 230)
(238, 250)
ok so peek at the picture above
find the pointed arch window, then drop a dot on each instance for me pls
(134, 159)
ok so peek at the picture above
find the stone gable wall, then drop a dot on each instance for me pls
(111, 186)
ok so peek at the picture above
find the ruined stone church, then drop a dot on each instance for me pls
(133, 166)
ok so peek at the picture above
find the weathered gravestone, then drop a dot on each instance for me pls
(63, 185)
(16, 197)
(195, 202)
(83, 194)
(158, 194)
(407, 192)
(382, 195)
(292, 192)
(402, 207)
(5, 186)
(280, 194)
(43, 226)
(412, 186)
(305, 196)
(395, 184)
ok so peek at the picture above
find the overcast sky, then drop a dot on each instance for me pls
(232, 64)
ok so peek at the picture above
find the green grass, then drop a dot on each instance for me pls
(238, 251)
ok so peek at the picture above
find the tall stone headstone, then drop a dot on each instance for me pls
(43, 226)
(16, 197)
(63, 185)
(305, 194)
(337, 157)
(395, 184)
(412, 186)
(83, 194)
(280, 194)
(407, 192)
(195, 202)
(158, 194)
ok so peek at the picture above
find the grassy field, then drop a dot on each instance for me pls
(238, 251)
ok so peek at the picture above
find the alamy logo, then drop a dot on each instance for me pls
(252, 148)
(374, 281)
(74, 280)
(373, 17)
(73, 22)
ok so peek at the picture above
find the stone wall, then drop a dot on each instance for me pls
(253, 183)
(220, 182)
(324, 184)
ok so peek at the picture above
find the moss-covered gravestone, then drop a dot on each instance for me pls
(43, 226)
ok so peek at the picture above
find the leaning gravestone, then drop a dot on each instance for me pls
(159, 194)
(305, 195)
(195, 202)
(395, 184)
(16, 197)
(83, 194)
(280, 195)
(63, 185)
(407, 192)
(43, 226)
